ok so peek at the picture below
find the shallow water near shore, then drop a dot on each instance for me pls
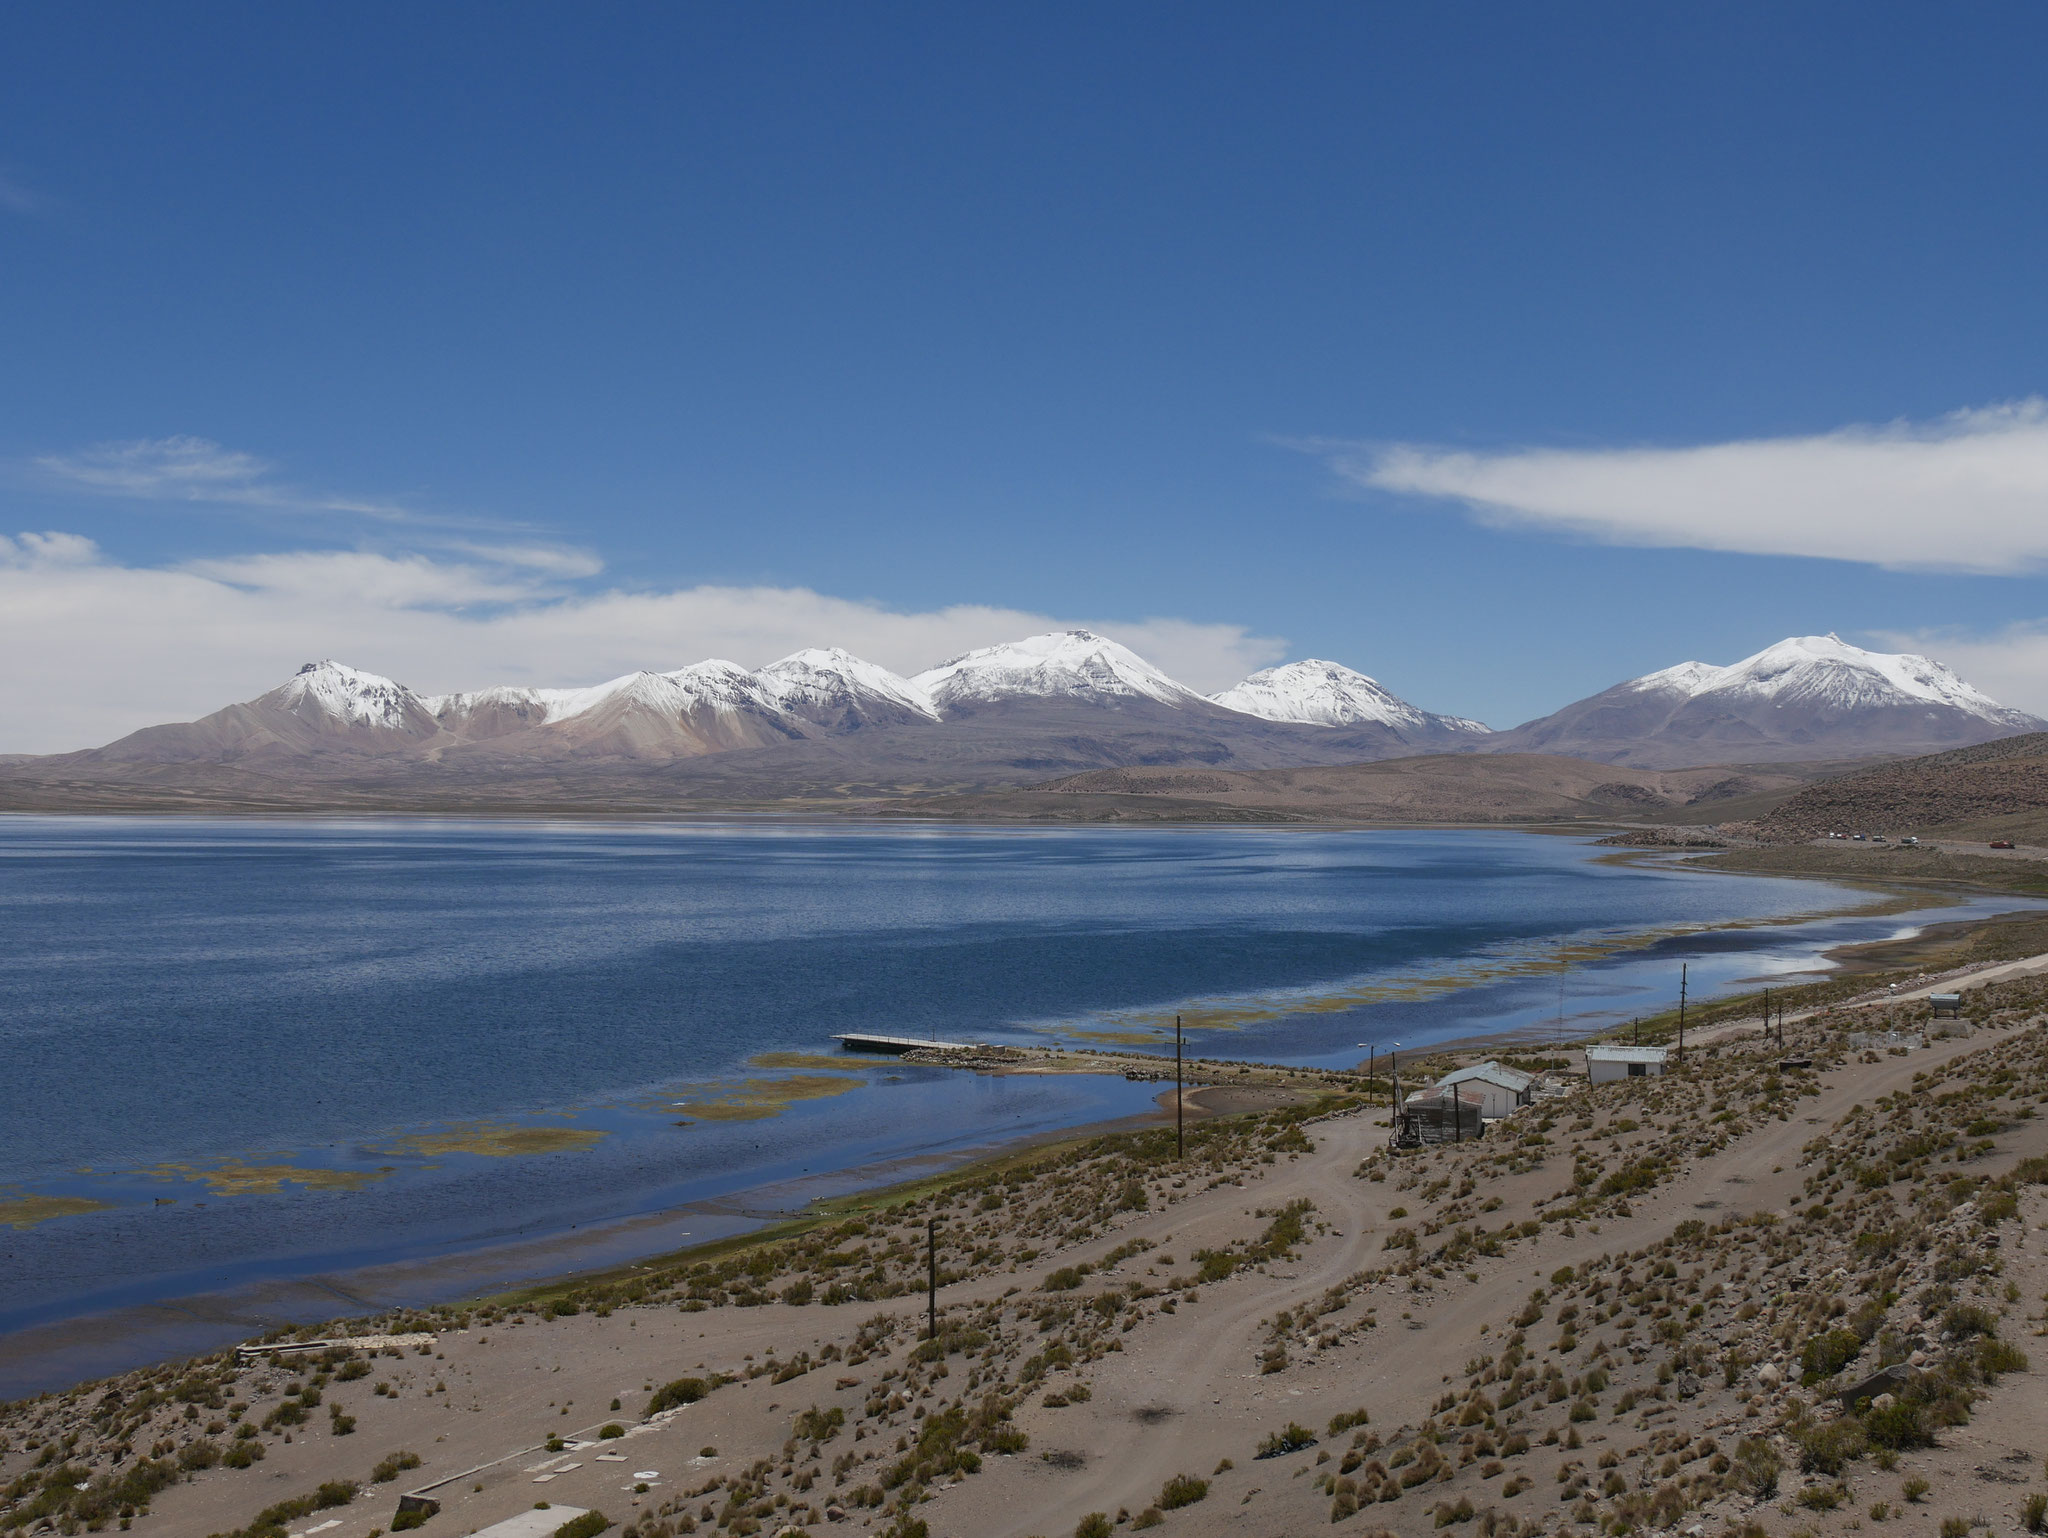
(242, 1053)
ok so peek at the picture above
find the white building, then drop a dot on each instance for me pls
(1502, 1089)
(1606, 1064)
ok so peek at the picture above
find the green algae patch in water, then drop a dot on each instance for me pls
(757, 1099)
(237, 1177)
(27, 1211)
(499, 1140)
(802, 1060)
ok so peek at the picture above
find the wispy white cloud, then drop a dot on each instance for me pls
(102, 648)
(183, 468)
(1966, 493)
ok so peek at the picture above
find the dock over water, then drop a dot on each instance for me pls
(896, 1046)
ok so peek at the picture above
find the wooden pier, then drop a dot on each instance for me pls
(896, 1046)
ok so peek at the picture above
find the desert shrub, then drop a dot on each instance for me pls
(1820, 1497)
(2034, 1513)
(1757, 1467)
(589, 1525)
(1995, 1356)
(1094, 1525)
(1828, 1353)
(816, 1425)
(1291, 1440)
(1829, 1448)
(610, 1431)
(1897, 1427)
(1345, 1420)
(391, 1465)
(1967, 1319)
(1182, 1490)
(680, 1392)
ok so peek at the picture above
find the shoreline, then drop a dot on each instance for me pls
(105, 1342)
(108, 1340)
(1131, 1319)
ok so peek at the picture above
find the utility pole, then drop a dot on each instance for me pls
(1682, 969)
(1180, 1141)
(931, 1283)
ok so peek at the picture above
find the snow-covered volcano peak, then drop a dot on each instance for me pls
(1828, 671)
(829, 685)
(331, 693)
(1320, 693)
(1076, 665)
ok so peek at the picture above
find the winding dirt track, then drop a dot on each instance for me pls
(1201, 1364)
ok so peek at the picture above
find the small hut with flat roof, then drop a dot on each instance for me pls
(1605, 1064)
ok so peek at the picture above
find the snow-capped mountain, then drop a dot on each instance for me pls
(836, 690)
(1045, 706)
(1827, 671)
(333, 696)
(1319, 693)
(708, 707)
(1071, 665)
(1805, 697)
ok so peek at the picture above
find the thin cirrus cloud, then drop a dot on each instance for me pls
(1967, 493)
(183, 468)
(105, 648)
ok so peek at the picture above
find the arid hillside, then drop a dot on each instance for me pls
(1521, 787)
(1987, 787)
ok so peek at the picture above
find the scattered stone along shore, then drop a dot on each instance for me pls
(1740, 1298)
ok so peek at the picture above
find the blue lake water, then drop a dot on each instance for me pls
(189, 1008)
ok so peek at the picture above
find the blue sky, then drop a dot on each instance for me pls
(511, 342)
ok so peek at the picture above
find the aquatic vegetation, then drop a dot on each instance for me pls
(238, 1177)
(498, 1140)
(826, 1060)
(27, 1211)
(756, 1099)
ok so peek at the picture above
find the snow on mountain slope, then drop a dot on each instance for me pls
(1071, 665)
(1683, 680)
(1804, 697)
(1829, 672)
(334, 696)
(1320, 693)
(833, 688)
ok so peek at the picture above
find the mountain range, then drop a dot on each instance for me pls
(1020, 713)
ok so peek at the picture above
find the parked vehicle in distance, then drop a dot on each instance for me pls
(1909, 839)
(2001, 843)
(1857, 836)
